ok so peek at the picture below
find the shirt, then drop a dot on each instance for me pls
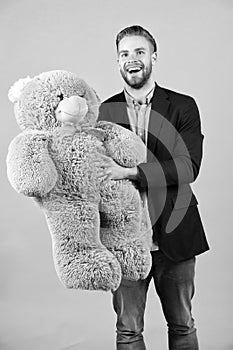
(139, 114)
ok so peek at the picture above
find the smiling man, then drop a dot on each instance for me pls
(169, 124)
(137, 72)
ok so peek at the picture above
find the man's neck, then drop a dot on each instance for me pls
(138, 94)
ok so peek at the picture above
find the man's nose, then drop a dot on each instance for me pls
(132, 58)
(132, 61)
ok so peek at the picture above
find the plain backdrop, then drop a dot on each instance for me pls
(195, 57)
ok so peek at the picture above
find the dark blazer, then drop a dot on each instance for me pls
(173, 162)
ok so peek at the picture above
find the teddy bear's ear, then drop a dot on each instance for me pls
(17, 88)
(97, 97)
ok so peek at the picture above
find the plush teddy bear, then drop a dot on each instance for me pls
(97, 227)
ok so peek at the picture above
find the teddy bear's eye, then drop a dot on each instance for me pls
(61, 96)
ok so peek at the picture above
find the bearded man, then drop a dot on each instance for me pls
(169, 124)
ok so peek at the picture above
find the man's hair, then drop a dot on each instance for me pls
(136, 30)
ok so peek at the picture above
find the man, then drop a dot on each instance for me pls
(169, 124)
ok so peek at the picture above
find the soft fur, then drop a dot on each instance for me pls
(96, 227)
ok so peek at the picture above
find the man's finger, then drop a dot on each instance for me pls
(103, 157)
(104, 173)
(101, 174)
(103, 163)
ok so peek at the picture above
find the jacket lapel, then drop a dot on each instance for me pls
(159, 109)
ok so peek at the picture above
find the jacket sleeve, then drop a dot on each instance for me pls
(184, 165)
(104, 113)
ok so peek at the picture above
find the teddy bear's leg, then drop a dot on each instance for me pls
(122, 231)
(81, 260)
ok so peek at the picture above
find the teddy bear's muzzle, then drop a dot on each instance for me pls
(71, 110)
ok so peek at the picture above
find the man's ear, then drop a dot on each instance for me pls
(154, 57)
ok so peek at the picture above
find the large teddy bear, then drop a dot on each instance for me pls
(98, 228)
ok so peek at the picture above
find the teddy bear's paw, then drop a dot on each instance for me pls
(94, 269)
(135, 260)
(124, 146)
(30, 168)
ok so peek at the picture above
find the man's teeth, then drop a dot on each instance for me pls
(134, 70)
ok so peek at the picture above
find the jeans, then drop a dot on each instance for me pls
(174, 284)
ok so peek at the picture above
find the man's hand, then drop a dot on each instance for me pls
(109, 169)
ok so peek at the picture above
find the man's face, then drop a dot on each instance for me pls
(135, 58)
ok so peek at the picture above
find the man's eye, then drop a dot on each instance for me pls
(124, 55)
(140, 52)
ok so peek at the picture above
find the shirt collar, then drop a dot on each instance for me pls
(146, 99)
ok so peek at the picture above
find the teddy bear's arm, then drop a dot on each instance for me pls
(124, 146)
(30, 169)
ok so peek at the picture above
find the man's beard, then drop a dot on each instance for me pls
(137, 81)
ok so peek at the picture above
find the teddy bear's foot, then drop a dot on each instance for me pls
(91, 269)
(135, 260)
